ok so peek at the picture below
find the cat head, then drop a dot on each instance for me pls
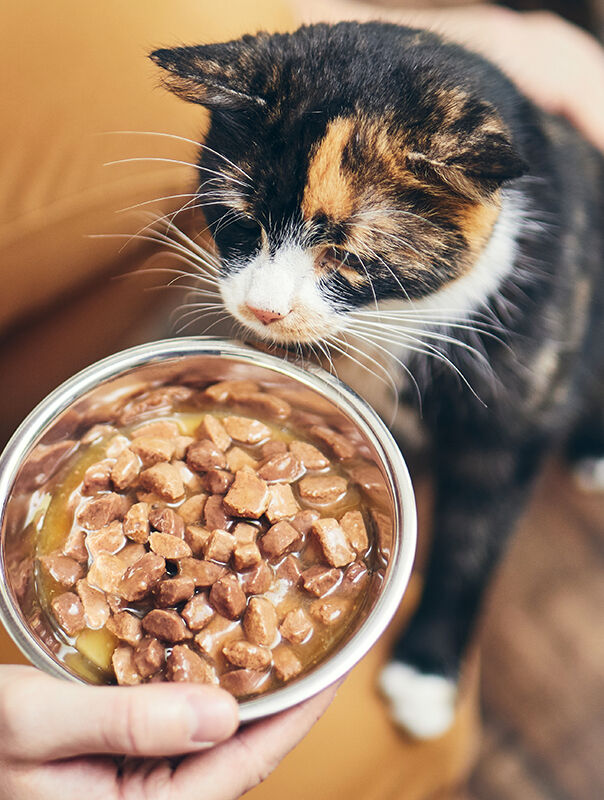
(345, 165)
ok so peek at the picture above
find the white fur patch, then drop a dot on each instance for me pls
(589, 474)
(283, 283)
(423, 705)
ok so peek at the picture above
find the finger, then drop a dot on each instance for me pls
(236, 766)
(42, 718)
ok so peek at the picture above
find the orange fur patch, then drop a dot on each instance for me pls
(328, 189)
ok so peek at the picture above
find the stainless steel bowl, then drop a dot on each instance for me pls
(32, 454)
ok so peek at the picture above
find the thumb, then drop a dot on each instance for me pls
(42, 718)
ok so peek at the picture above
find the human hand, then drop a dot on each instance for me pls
(555, 63)
(58, 739)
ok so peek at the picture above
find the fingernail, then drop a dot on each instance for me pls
(214, 717)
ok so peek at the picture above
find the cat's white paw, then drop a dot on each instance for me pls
(423, 705)
(589, 474)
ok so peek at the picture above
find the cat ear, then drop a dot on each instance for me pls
(216, 75)
(474, 168)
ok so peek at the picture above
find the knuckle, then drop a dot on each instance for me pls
(256, 767)
(125, 725)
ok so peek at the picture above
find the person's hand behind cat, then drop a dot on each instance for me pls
(558, 65)
(58, 740)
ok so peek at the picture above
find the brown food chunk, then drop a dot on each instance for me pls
(165, 480)
(181, 444)
(140, 578)
(125, 470)
(218, 630)
(285, 663)
(247, 655)
(246, 555)
(131, 553)
(328, 611)
(227, 597)
(281, 502)
(323, 489)
(218, 481)
(166, 625)
(109, 539)
(245, 533)
(75, 544)
(192, 509)
(243, 682)
(296, 627)
(246, 430)
(339, 444)
(319, 580)
(149, 656)
(97, 478)
(126, 627)
(224, 390)
(353, 525)
(309, 455)
(279, 539)
(136, 523)
(204, 573)
(289, 570)
(286, 468)
(106, 573)
(102, 510)
(354, 578)
(265, 404)
(260, 621)
(247, 497)
(62, 569)
(69, 612)
(304, 520)
(96, 608)
(198, 612)
(172, 591)
(204, 455)
(272, 448)
(169, 547)
(212, 428)
(219, 546)
(159, 429)
(257, 580)
(167, 520)
(215, 514)
(124, 666)
(334, 543)
(196, 537)
(152, 449)
(238, 459)
(183, 665)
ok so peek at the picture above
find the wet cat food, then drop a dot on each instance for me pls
(208, 535)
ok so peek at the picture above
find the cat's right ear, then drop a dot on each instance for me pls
(218, 76)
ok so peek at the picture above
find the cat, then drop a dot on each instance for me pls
(378, 183)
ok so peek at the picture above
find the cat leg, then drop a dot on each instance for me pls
(481, 488)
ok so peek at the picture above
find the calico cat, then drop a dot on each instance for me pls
(389, 197)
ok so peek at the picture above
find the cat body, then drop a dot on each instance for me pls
(394, 201)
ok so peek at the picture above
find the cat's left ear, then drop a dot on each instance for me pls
(474, 166)
(215, 75)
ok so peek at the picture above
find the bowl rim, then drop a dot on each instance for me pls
(311, 376)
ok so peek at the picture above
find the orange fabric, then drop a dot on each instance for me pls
(72, 72)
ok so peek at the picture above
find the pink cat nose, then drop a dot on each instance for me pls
(265, 316)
